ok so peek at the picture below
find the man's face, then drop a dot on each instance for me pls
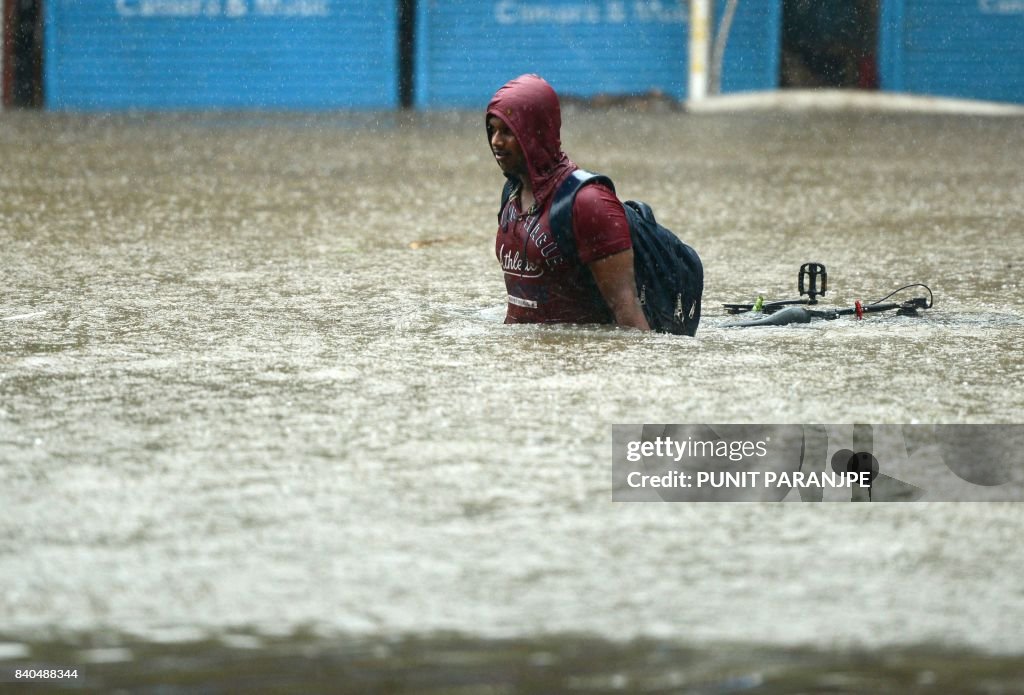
(505, 148)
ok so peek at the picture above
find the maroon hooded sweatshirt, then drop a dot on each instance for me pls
(543, 285)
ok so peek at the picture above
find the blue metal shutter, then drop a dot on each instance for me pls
(754, 47)
(955, 48)
(206, 54)
(467, 50)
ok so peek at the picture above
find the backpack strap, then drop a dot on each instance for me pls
(506, 193)
(560, 217)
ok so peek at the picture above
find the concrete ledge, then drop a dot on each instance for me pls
(838, 100)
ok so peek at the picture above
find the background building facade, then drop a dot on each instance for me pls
(435, 54)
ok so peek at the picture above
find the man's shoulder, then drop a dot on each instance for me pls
(596, 195)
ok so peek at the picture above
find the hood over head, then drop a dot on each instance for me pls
(529, 107)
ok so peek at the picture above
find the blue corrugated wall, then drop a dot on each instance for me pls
(954, 48)
(754, 45)
(466, 50)
(208, 54)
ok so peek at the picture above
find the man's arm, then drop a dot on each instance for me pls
(603, 242)
(614, 277)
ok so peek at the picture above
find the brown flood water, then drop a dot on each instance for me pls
(257, 403)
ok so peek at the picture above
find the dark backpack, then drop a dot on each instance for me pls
(669, 274)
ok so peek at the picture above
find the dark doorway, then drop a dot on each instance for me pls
(23, 53)
(406, 51)
(829, 43)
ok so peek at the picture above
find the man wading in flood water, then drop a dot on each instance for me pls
(523, 126)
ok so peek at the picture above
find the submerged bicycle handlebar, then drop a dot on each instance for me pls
(812, 282)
